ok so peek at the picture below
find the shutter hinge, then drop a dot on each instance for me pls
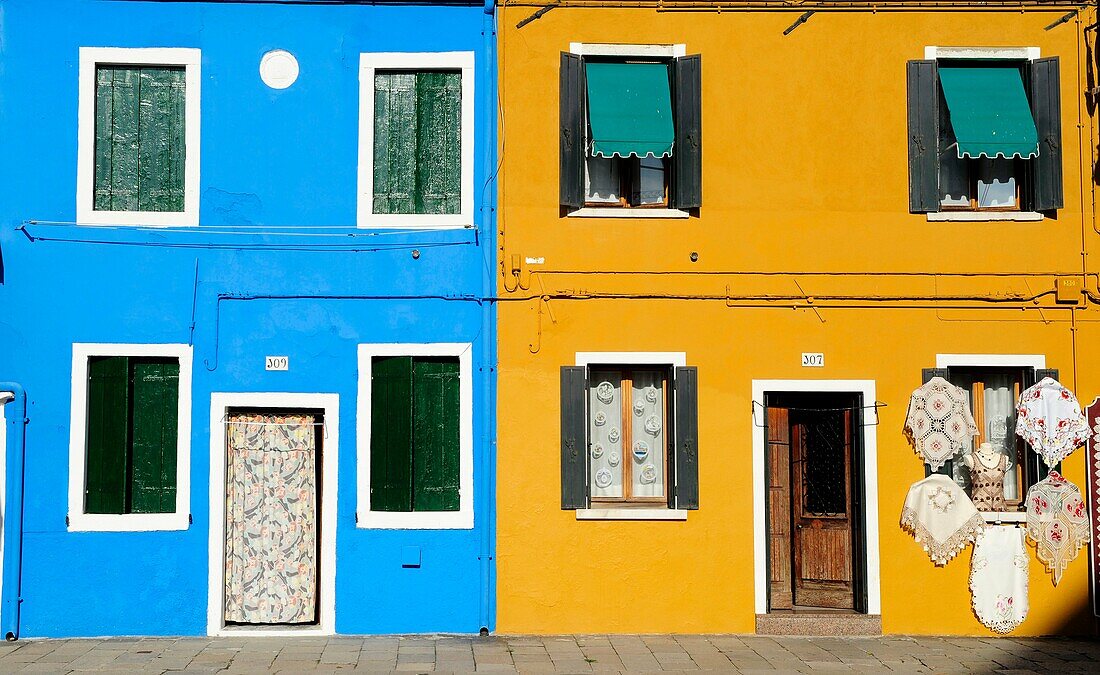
(66, 520)
(356, 517)
(190, 519)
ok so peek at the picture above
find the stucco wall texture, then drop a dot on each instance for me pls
(805, 199)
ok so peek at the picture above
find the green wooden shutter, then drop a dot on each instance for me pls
(139, 138)
(574, 438)
(923, 114)
(686, 434)
(572, 92)
(1046, 169)
(438, 142)
(117, 143)
(435, 434)
(687, 155)
(391, 434)
(161, 135)
(417, 142)
(153, 459)
(108, 435)
(394, 142)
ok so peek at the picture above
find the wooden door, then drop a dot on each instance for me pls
(779, 508)
(821, 505)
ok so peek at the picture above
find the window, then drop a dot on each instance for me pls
(138, 150)
(414, 433)
(629, 436)
(627, 431)
(984, 133)
(630, 130)
(415, 454)
(993, 393)
(416, 149)
(131, 425)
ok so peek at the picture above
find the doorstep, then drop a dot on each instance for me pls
(818, 623)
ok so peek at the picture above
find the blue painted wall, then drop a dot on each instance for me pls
(270, 158)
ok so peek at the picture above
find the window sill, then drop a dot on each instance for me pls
(1004, 516)
(611, 212)
(984, 216)
(128, 522)
(415, 520)
(632, 514)
(185, 218)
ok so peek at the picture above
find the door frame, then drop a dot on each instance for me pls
(220, 404)
(868, 433)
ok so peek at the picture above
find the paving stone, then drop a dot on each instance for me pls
(554, 653)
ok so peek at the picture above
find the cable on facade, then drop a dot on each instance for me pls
(856, 408)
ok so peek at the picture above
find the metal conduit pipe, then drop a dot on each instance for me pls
(815, 5)
(13, 513)
(486, 553)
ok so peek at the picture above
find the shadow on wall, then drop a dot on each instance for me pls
(1092, 64)
(1077, 621)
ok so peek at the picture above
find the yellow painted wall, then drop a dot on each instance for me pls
(805, 175)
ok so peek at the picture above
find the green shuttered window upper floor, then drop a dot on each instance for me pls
(417, 142)
(140, 148)
(414, 461)
(132, 428)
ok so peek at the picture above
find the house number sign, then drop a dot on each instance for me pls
(276, 363)
(813, 360)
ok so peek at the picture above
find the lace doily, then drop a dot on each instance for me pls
(998, 579)
(939, 422)
(1049, 418)
(1057, 522)
(941, 518)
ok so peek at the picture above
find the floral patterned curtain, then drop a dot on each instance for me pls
(271, 519)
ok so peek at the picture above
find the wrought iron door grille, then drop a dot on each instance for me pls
(824, 487)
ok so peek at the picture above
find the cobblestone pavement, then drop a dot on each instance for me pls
(568, 654)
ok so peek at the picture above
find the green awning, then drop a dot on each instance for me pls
(629, 109)
(990, 114)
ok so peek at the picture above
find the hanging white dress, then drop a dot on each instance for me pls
(1049, 418)
(998, 578)
(939, 421)
(1057, 522)
(941, 517)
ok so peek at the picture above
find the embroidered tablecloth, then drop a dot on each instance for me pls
(939, 421)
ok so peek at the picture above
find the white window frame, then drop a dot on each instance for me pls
(463, 518)
(78, 427)
(654, 51)
(220, 405)
(761, 574)
(934, 53)
(90, 57)
(369, 62)
(658, 360)
(1034, 361)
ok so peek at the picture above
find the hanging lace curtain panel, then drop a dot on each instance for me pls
(998, 578)
(941, 518)
(939, 421)
(1057, 522)
(1049, 418)
(271, 519)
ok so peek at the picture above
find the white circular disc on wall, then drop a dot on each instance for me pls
(278, 69)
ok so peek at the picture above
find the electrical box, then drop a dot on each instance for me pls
(1068, 289)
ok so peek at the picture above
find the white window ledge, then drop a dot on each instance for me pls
(632, 514)
(128, 522)
(1004, 516)
(611, 212)
(987, 216)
